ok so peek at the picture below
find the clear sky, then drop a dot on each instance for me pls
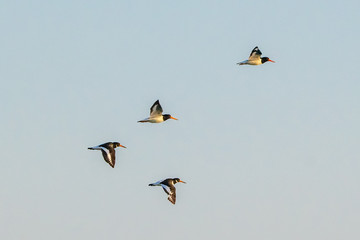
(268, 152)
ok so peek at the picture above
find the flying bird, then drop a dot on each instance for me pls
(255, 58)
(169, 188)
(108, 151)
(156, 115)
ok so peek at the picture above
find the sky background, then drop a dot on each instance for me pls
(268, 152)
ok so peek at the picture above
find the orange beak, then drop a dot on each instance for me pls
(174, 118)
(122, 146)
(182, 181)
(271, 61)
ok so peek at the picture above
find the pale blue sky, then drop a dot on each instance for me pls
(269, 152)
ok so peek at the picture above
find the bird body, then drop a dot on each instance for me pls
(156, 115)
(255, 58)
(251, 62)
(108, 151)
(169, 187)
(155, 119)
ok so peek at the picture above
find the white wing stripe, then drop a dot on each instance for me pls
(167, 189)
(107, 153)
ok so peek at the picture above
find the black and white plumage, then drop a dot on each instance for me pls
(169, 188)
(255, 58)
(108, 151)
(156, 115)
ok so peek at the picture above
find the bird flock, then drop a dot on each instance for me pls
(157, 116)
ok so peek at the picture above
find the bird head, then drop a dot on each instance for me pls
(168, 116)
(265, 59)
(176, 180)
(116, 144)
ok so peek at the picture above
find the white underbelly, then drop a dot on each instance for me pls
(157, 119)
(254, 62)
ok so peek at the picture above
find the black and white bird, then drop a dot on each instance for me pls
(108, 151)
(169, 188)
(156, 115)
(255, 58)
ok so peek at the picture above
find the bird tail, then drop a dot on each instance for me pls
(94, 148)
(144, 120)
(151, 184)
(243, 62)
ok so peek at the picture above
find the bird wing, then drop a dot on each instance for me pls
(166, 189)
(108, 156)
(255, 54)
(171, 192)
(172, 196)
(156, 109)
(112, 156)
